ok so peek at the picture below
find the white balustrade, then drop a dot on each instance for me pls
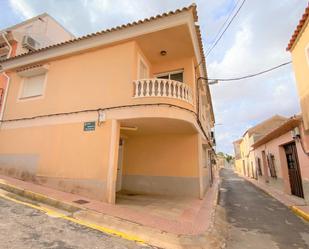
(162, 88)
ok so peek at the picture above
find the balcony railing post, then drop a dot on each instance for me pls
(162, 88)
(167, 88)
(147, 88)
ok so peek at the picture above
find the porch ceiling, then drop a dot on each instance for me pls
(157, 126)
(175, 41)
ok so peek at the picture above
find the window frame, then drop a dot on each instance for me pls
(20, 98)
(139, 61)
(171, 72)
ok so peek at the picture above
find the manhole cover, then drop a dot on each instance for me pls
(81, 201)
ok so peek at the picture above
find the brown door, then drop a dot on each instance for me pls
(294, 171)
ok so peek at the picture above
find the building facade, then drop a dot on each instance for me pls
(282, 158)
(119, 110)
(30, 35)
(246, 163)
(299, 48)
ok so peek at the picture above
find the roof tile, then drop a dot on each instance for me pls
(299, 27)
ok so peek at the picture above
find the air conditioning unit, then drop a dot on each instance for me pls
(30, 43)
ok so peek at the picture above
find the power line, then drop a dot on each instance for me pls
(223, 25)
(250, 75)
(228, 25)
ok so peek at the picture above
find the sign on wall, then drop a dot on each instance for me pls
(89, 126)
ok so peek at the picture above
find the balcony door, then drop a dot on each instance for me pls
(175, 75)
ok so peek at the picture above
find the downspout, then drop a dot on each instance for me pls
(7, 77)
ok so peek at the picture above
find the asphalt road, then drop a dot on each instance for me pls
(25, 227)
(256, 220)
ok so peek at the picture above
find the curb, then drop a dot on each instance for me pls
(38, 197)
(295, 209)
(87, 218)
(300, 213)
(34, 196)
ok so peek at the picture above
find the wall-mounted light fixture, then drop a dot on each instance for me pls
(163, 52)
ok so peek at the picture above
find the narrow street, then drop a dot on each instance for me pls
(256, 220)
(25, 227)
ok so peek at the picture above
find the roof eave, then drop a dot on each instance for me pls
(186, 15)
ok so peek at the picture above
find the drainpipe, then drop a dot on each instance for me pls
(7, 77)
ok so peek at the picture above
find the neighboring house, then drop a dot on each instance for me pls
(117, 110)
(237, 160)
(27, 36)
(283, 159)
(299, 48)
(246, 163)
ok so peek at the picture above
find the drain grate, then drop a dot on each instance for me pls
(81, 201)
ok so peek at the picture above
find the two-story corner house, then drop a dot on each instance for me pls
(30, 35)
(117, 110)
(299, 48)
(246, 164)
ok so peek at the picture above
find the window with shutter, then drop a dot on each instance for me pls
(259, 166)
(33, 86)
(271, 165)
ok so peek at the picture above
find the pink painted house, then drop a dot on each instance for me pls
(282, 158)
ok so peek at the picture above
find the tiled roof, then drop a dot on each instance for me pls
(124, 26)
(298, 29)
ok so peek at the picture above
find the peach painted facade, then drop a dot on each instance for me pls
(43, 29)
(271, 155)
(299, 48)
(113, 113)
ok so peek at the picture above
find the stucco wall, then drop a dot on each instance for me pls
(300, 54)
(95, 79)
(275, 147)
(62, 156)
(161, 164)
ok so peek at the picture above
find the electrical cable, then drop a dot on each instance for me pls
(250, 75)
(303, 146)
(113, 108)
(228, 25)
(223, 25)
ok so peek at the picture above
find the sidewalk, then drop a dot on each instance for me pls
(298, 205)
(149, 217)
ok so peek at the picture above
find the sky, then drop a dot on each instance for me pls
(255, 41)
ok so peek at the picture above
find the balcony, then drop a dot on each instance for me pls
(163, 88)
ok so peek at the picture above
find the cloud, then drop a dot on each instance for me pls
(255, 41)
(22, 8)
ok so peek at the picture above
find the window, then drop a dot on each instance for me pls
(259, 167)
(143, 72)
(177, 75)
(33, 86)
(271, 165)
